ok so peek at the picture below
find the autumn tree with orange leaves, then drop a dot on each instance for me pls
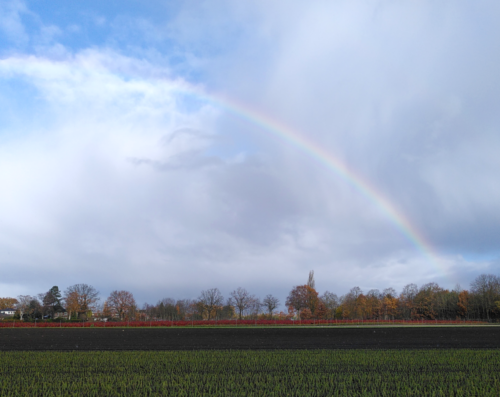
(7, 303)
(303, 297)
(72, 303)
(463, 304)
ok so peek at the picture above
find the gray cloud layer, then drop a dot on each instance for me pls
(114, 176)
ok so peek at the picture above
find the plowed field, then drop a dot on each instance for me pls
(250, 338)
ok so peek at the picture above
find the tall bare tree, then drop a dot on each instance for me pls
(212, 301)
(22, 305)
(271, 303)
(242, 300)
(189, 309)
(255, 307)
(122, 303)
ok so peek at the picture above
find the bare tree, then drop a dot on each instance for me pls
(389, 292)
(100, 309)
(149, 310)
(181, 306)
(228, 311)
(242, 300)
(486, 287)
(83, 296)
(122, 303)
(407, 300)
(331, 302)
(166, 308)
(255, 306)
(212, 301)
(271, 303)
(189, 309)
(23, 302)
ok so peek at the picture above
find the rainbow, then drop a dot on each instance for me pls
(329, 160)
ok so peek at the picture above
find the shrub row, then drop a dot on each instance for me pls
(228, 323)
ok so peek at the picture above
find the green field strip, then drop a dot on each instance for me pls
(252, 373)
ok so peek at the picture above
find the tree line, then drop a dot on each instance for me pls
(428, 302)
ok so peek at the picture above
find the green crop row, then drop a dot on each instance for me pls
(252, 373)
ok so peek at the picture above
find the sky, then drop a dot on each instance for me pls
(169, 147)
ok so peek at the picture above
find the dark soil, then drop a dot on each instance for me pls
(250, 338)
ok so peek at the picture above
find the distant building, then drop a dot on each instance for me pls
(60, 315)
(8, 312)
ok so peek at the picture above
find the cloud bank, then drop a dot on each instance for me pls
(116, 172)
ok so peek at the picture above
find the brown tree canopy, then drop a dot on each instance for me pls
(121, 303)
(8, 303)
(302, 297)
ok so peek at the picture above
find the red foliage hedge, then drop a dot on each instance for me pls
(232, 323)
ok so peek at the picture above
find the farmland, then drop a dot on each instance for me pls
(279, 372)
(210, 338)
(280, 361)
